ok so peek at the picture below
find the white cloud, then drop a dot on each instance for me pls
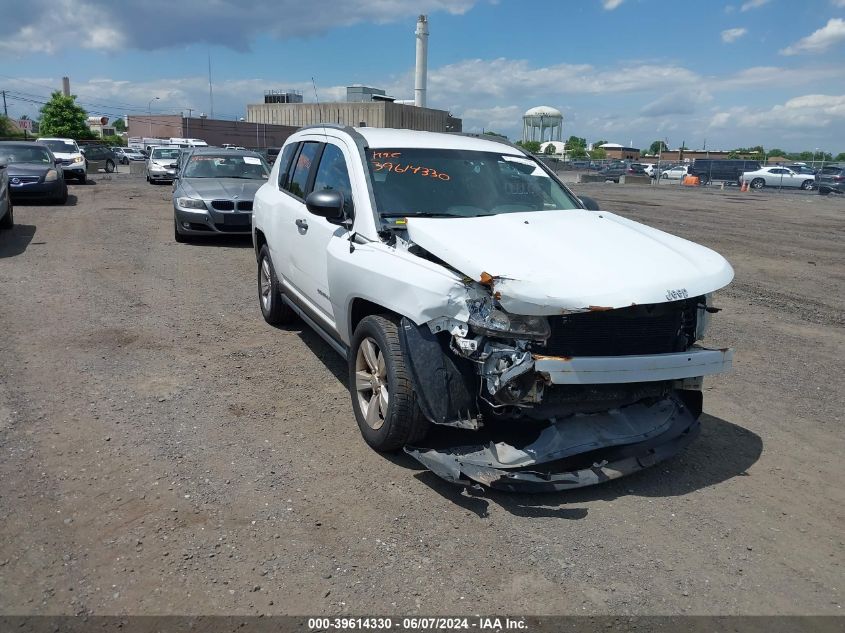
(158, 24)
(610, 5)
(731, 35)
(819, 41)
(753, 4)
(807, 112)
(677, 102)
(838, 3)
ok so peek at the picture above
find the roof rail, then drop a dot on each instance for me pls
(489, 137)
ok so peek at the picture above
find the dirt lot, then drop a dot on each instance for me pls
(165, 451)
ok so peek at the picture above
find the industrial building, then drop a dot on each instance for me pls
(212, 131)
(373, 113)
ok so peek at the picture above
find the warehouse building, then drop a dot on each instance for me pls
(213, 131)
(364, 106)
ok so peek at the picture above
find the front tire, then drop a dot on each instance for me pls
(758, 183)
(383, 397)
(109, 166)
(8, 220)
(807, 185)
(177, 236)
(274, 310)
(62, 197)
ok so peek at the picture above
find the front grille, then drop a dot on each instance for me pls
(245, 205)
(24, 180)
(659, 328)
(223, 205)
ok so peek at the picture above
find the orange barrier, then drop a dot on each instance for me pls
(744, 186)
(691, 181)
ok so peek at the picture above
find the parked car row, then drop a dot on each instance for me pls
(31, 171)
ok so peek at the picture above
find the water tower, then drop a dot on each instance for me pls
(542, 123)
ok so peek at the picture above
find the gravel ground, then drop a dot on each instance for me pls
(164, 451)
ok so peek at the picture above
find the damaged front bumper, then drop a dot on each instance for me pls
(598, 370)
(579, 451)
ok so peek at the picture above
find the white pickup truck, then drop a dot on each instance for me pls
(468, 287)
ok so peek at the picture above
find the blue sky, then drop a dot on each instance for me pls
(732, 74)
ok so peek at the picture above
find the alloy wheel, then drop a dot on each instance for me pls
(371, 383)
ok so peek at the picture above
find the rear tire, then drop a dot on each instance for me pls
(758, 183)
(8, 220)
(383, 397)
(109, 166)
(807, 185)
(273, 308)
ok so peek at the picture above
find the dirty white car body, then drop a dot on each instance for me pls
(578, 326)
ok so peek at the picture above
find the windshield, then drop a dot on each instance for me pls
(226, 166)
(62, 147)
(461, 183)
(162, 153)
(25, 154)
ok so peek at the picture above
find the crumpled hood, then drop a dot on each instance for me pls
(546, 262)
(228, 188)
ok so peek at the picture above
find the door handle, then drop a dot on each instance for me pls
(302, 224)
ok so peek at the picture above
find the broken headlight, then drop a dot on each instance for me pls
(486, 318)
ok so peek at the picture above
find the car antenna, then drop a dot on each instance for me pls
(320, 107)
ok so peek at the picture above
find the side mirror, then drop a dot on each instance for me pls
(2, 165)
(326, 203)
(589, 203)
(173, 165)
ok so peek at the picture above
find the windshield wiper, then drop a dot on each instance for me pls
(422, 214)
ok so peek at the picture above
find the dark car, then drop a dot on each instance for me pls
(617, 169)
(99, 157)
(33, 171)
(803, 170)
(831, 179)
(729, 170)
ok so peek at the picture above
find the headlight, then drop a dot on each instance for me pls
(702, 320)
(79, 159)
(486, 318)
(190, 203)
(52, 175)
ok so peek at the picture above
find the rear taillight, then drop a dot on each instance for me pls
(839, 178)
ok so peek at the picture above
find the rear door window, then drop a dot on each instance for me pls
(284, 163)
(298, 183)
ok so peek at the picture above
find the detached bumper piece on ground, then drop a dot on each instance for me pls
(579, 451)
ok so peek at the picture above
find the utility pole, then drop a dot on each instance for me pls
(5, 109)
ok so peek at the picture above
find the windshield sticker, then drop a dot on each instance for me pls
(252, 160)
(401, 169)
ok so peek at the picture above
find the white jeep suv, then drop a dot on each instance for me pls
(468, 287)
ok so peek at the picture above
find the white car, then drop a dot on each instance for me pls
(676, 173)
(66, 150)
(161, 165)
(778, 177)
(466, 286)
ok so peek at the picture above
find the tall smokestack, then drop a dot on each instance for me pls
(422, 61)
(66, 86)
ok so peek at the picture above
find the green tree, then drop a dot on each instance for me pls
(598, 143)
(550, 149)
(120, 125)
(577, 151)
(575, 141)
(776, 151)
(530, 146)
(61, 116)
(7, 128)
(598, 153)
(840, 157)
(487, 133)
(114, 141)
(657, 147)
